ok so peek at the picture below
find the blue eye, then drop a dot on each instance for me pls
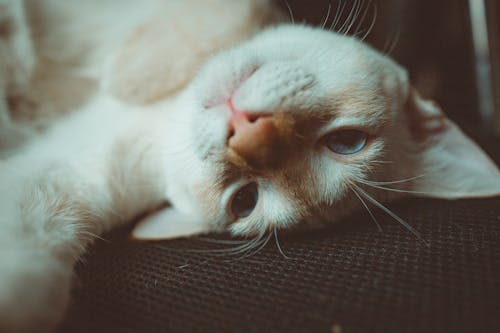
(245, 200)
(346, 142)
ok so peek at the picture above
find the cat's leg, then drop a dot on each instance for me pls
(40, 240)
(51, 212)
(34, 283)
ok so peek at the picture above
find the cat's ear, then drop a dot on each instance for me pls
(168, 223)
(453, 165)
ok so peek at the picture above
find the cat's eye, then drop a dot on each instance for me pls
(346, 142)
(245, 200)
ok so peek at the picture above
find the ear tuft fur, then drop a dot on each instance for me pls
(424, 116)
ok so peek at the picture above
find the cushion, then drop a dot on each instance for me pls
(348, 277)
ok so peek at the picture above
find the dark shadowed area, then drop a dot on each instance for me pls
(351, 278)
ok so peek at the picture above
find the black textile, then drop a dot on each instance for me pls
(346, 278)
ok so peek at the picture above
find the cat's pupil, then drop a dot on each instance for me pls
(346, 142)
(245, 200)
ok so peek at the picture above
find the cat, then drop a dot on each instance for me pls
(248, 131)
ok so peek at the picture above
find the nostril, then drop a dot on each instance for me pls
(252, 118)
(230, 133)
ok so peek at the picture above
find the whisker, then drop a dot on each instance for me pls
(234, 250)
(362, 20)
(389, 43)
(348, 18)
(251, 246)
(327, 15)
(395, 181)
(299, 136)
(245, 247)
(368, 209)
(278, 244)
(290, 11)
(394, 42)
(222, 241)
(393, 215)
(391, 189)
(93, 235)
(358, 5)
(372, 24)
(383, 162)
(263, 244)
(338, 15)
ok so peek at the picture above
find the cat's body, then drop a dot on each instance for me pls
(250, 145)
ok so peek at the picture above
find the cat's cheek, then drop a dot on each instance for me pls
(210, 130)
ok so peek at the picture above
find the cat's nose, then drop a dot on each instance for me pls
(248, 133)
(255, 138)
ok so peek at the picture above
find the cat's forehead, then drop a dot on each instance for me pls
(319, 68)
(323, 50)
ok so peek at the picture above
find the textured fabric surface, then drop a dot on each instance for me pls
(345, 278)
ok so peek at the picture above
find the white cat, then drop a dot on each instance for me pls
(296, 125)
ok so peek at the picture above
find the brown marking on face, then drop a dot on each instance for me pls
(356, 101)
(211, 194)
(236, 161)
(280, 153)
(297, 182)
(210, 190)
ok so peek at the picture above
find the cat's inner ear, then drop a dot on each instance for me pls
(168, 223)
(453, 165)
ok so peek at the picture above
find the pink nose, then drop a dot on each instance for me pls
(254, 138)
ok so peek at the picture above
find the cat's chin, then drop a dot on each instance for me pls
(224, 94)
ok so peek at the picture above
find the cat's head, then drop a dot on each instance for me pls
(303, 125)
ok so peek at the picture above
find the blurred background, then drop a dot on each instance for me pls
(450, 48)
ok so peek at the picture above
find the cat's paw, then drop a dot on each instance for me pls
(34, 291)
